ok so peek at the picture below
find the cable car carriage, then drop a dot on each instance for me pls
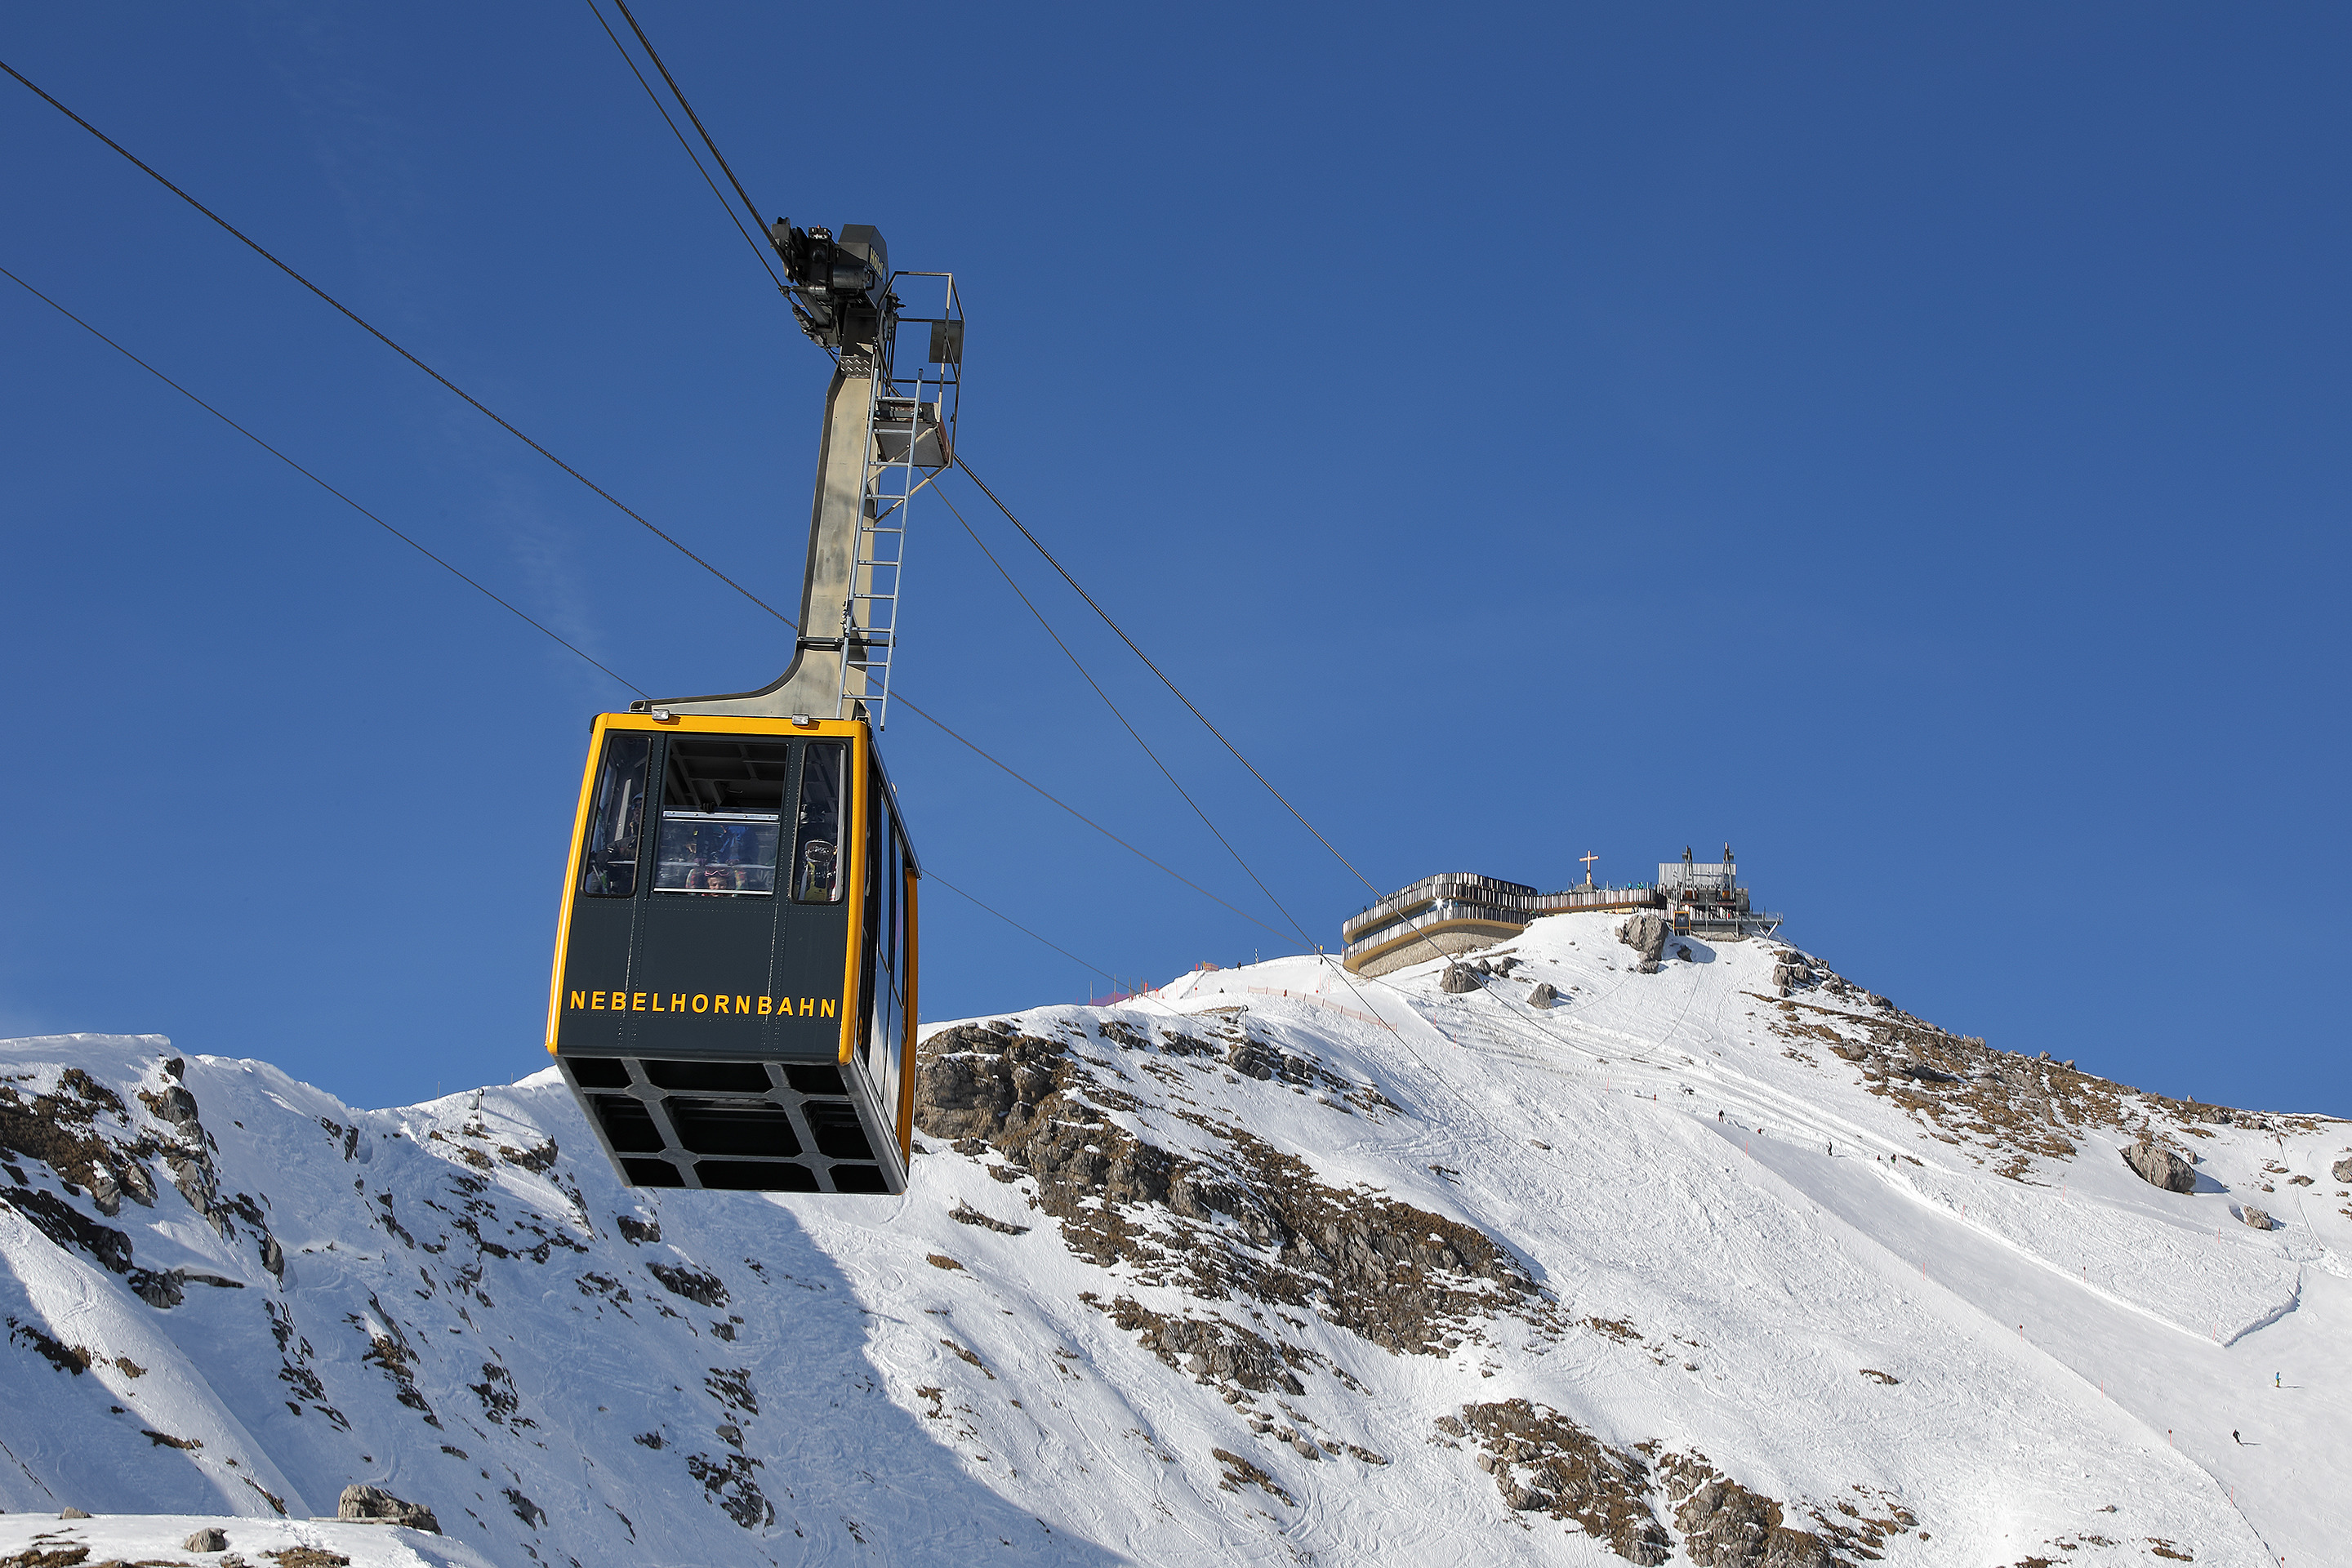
(733, 1001)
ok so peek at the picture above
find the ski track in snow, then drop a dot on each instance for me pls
(1728, 1225)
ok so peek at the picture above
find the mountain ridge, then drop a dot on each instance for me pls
(1274, 1265)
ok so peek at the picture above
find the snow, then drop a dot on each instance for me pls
(1728, 1222)
(133, 1537)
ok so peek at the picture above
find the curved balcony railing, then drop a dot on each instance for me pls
(1445, 911)
(1446, 885)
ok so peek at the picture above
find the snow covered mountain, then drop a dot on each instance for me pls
(1279, 1266)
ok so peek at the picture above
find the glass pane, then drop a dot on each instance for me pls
(608, 867)
(716, 852)
(816, 838)
(723, 799)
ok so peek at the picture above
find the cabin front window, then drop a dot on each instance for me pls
(722, 804)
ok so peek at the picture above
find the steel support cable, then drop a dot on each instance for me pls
(314, 479)
(470, 582)
(653, 55)
(1304, 943)
(1155, 669)
(626, 511)
(1017, 925)
(630, 60)
(1089, 821)
(365, 326)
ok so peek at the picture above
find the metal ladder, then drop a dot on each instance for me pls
(910, 436)
(896, 426)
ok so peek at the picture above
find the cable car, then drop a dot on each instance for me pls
(733, 996)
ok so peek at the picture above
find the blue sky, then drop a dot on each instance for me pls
(1907, 443)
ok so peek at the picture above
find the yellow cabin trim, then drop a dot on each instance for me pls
(858, 764)
(855, 731)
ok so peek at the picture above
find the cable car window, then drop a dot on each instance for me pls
(722, 800)
(816, 838)
(608, 870)
(887, 909)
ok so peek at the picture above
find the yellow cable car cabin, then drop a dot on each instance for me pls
(734, 999)
(733, 1002)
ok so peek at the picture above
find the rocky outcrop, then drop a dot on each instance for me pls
(372, 1502)
(2342, 1169)
(974, 1077)
(2160, 1167)
(206, 1540)
(2259, 1219)
(1724, 1525)
(1458, 979)
(1646, 935)
(1249, 1220)
(1211, 1348)
(1543, 995)
(1543, 1462)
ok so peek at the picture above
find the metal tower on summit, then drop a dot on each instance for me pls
(733, 997)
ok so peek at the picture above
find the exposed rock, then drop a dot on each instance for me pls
(1683, 951)
(2259, 1219)
(698, 1285)
(1544, 1463)
(2342, 1169)
(67, 1226)
(1253, 1220)
(206, 1540)
(161, 1289)
(975, 1075)
(372, 1503)
(1543, 995)
(72, 1514)
(1791, 972)
(1458, 979)
(1211, 1350)
(1647, 966)
(964, 1213)
(174, 1105)
(1724, 1525)
(2160, 1167)
(1646, 935)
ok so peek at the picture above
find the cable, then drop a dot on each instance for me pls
(626, 511)
(1155, 669)
(1017, 925)
(1122, 719)
(623, 5)
(630, 60)
(905, 701)
(1089, 821)
(365, 326)
(503, 605)
(306, 473)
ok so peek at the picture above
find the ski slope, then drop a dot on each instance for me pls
(1275, 1266)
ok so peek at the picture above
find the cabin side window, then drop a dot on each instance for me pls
(816, 865)
(887, 918)
(723, 806)
(608, 865)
